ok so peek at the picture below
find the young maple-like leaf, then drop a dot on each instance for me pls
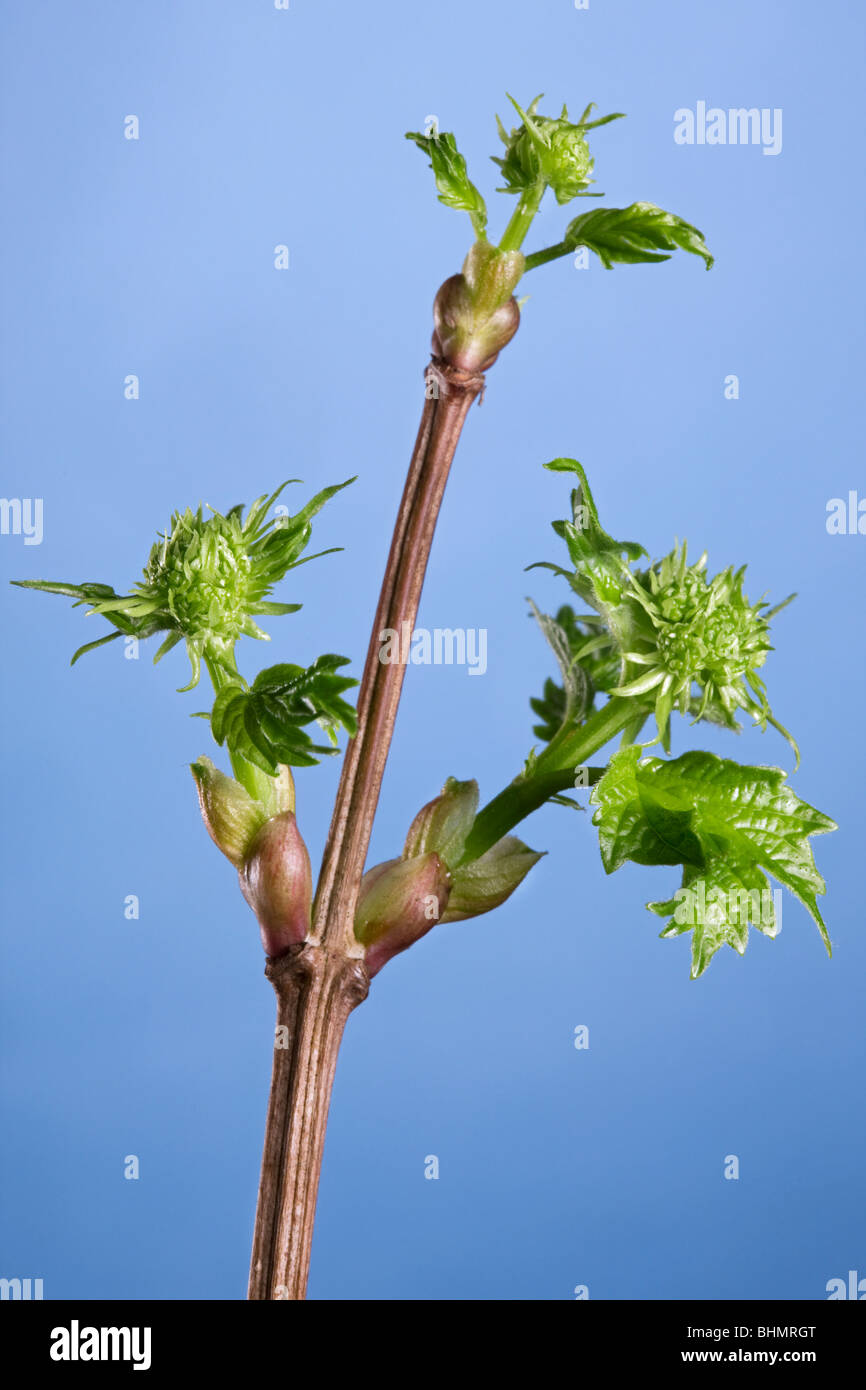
(639, 233)
(264, 722)
(453, 185)
(726, 824)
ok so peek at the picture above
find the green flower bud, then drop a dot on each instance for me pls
(548, 150)
(205, 582)
(692, 631)
(444, 823)
(486, 882)
(552, 150)
(399, 902)
(277, 881)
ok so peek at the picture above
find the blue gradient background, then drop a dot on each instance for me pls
(153, 1037)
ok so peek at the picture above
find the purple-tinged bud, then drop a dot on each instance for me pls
(444, 823)
(399, 902)
(475, 314)
(277, 881)
(486, 882)
(230, 814)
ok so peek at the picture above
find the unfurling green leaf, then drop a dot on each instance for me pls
(453, 184)
(264, 723)
(588, 661)
(725, 824)
(600, 576)
(641, 232)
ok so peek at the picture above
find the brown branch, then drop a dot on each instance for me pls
(316, 992)
(319, 984)
(451, 393)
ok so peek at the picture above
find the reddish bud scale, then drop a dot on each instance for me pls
(277, 881)
(399, 903)
(475, 314)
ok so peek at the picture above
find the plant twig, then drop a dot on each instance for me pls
(318, 986)
(358, 793)
(316, 991)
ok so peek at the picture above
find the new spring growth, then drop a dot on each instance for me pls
(475, 312)
(261, 838)
(665, 638)
(206, 581)
(403, 898)
(680, 640)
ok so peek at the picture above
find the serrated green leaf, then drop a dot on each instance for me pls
(718, 903)
(583, 658)
(268, 717)
(221, 707)
(724, 822)
(641, 232)
(454, 187)
(600, 574)
(624, 832)
(274, 677)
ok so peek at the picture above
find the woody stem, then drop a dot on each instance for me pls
(319, 984)
(450, 394)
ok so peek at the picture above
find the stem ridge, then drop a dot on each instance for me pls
(316, 991)
(379, 696)
(319, 983)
